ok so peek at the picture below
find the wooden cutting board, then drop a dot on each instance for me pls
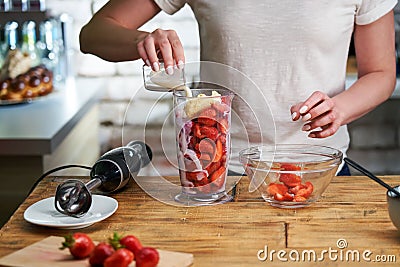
(46, 253)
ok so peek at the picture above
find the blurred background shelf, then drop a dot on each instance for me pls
(36, 137)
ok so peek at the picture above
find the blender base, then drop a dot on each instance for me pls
(204, 200)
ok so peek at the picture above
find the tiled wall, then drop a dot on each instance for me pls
(375, 138)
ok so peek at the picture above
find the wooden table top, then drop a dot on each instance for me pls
(350, 219)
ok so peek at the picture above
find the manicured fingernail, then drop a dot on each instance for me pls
(169, 70)
(306, 127)
(303, 109)
(180, 64)
(156, 67)
(294, 115)
(148, 62)
(312, 135)
(306, 117)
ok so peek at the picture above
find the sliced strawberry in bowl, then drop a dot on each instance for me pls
(290, 179)
(295, 189)
(299, 199)
(274, 188)
(292, 175)
(285, 197)
(290, 167)
(306, 191)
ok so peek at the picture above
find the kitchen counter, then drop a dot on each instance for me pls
(59, 129)
(39, 128)
(350, 219)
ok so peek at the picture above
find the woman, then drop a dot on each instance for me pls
(295, 51)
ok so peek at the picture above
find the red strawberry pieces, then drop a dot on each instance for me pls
(290, 167)
(219, 151)
(290, 179)
(208, 117)
(291, 188)
(202, 131)
(196, 177)
(208, 139)
(218, 177)
(285, 197)
(306, 191)
(222, 126)
(207, 146)
(274, 189)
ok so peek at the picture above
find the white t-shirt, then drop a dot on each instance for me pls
(289, 49)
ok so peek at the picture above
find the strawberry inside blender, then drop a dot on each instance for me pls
(204, 144)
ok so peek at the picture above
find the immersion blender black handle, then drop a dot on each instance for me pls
(370, 175)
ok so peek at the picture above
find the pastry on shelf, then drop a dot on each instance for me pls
(19, 80)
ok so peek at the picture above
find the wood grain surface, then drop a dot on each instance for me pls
(352, 211)
(46, 253)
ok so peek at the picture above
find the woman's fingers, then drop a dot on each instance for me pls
(322, 120)
(312, 101)
(325, 131)
(320, 114)
(177, 50)
(143, 54)
(321, 108)
(149, 44)
(294, 111)
(165, 47)
(317, 104)
(164, 44)
(308, 108)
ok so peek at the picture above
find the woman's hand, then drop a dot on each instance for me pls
(113, 34)
(321, 116)
(164, 44)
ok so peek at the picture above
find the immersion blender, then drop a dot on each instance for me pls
(110, 173)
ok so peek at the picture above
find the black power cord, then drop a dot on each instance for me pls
(54, 170)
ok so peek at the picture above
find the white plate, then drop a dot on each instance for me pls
(44, 213)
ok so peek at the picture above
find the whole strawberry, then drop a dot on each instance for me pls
(100, 253)
(147, 257)
(120, 258)
(80, 245)
(132, 243)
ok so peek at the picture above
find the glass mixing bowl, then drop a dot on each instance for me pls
(290, 175)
